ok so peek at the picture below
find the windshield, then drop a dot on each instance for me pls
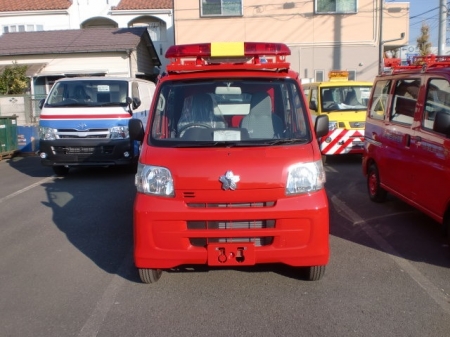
(229, 112)
(88, 93)
(348, 98)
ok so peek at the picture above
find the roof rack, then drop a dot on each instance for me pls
(228, 56)
(421, 63)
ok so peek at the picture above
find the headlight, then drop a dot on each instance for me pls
(118, 132)
(154, 180)
(332, 126)
(305, 177)
(46, 133)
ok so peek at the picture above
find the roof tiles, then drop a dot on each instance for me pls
(144, 4)
(71, 41)
(36, 5)
(33, 5)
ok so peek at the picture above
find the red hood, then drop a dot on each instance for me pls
(201, 168)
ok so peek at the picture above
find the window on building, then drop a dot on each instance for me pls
(154, 30)
(335, 6)
(351, 75)
(319, 75)
(22, 28)
(221, 7)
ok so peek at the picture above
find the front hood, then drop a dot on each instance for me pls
(256, 167)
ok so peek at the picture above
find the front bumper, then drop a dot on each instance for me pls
(86, 152)
(173, 232)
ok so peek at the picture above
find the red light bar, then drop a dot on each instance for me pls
(189, 50)
(423, 63)
(250, 49)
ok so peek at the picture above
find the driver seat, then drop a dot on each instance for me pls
(199, 110)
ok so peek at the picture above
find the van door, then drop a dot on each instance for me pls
(398, 134)
(430, 186)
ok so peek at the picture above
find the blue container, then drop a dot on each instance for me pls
(27, 138)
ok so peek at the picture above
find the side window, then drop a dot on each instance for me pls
(438, 100)
(404, 101)
(313, 98)
(379, 99)
(135, 90)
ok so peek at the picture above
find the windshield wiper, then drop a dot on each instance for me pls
(287, 141)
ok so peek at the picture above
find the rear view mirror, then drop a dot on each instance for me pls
(228, 91)
(136, 129)
(321, 126)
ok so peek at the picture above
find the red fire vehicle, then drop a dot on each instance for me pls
(230, 171)
(407, 146)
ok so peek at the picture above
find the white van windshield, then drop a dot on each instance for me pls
(229, 111)
(88, 93)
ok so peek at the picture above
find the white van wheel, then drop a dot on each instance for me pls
(150, 275)
(60, 170)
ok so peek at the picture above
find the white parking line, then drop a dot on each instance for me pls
(97, 317)
(438, 296)
(12, 195)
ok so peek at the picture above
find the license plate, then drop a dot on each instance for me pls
(231, 254)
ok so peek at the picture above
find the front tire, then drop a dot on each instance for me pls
(60, 171)
(314, 273)
(376, 192)
(150, 275)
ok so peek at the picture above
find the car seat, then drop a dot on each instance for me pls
(261, 122)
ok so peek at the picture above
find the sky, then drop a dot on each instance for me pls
(423, 11)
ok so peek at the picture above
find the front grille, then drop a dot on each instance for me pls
(227, 205)
(70, 150)
(227, 225)
(88, 134)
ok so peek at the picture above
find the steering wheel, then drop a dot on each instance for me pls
(183, 129)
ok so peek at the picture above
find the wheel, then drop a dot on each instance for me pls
(150, 275)
(183, 129)
(314, 273)
(60, 170)
(446, 227)
(376, 192)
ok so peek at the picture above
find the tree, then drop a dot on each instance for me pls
(13, 80)
(423, 40)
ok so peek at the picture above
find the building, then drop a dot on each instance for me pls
(124, 38)
(61, 15)
(323, 35)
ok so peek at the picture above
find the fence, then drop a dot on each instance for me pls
(25, 107)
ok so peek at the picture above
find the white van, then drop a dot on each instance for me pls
(84, 121)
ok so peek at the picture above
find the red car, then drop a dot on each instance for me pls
(230, 171)
(407, 145)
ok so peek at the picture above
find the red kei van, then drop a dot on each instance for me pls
(230, 172)
(407, 145)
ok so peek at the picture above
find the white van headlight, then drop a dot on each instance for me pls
(154, 180)
(305, 177)
(46, 133)
(118, 132)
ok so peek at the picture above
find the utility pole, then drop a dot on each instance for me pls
(442, 27)
(380, 41)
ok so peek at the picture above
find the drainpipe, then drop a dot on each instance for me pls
(130, 66)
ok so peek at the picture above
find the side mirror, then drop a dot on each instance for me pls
(136, 129)
(136, 103)
(41, 103)
(321, 126)
(313, 105)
